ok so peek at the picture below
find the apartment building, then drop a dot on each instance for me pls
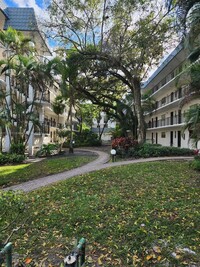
(105, 126)
(168, 87)
(24, 19)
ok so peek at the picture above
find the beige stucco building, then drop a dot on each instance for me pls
(168, 87)
(23, 19)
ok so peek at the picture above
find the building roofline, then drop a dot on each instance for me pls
(4, 13)
(36, 29)
(164, 64)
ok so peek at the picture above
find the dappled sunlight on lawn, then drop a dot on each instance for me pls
(5, 170)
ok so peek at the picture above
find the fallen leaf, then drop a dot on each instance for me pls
(156, 249)
(149, 257)
(99, 260)
(28, 260)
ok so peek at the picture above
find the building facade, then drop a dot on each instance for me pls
(168, 87)
(104, 127)
(24, 20)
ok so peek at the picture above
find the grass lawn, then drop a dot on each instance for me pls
(15, 174)
(145, 214)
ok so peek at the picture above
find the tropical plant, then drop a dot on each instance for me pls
(192, 123)
(58, 106)
(47, 150)
(27, 79)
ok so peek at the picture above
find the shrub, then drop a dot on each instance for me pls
(11, 158)
(195, 164)
(86, 138)
(47, 150)
(17, 148)
(152, 150)
(124, 143)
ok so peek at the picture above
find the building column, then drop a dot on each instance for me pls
(8, 100)
(30, 125)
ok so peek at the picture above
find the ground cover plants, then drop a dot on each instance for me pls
(143, 214)
(15, 174)
(127, 147)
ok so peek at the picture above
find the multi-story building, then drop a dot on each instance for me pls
(104, 126)
(168, 87)
(24, 20)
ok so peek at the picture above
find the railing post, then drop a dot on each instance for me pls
(77, 257)
(7, 251)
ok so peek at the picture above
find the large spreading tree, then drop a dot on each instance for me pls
(124, 38)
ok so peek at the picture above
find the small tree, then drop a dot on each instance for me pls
(58, 106)
(192, 123)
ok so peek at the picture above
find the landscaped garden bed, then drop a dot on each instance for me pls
(144, 214)
(129, 148)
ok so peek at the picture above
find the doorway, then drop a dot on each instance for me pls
(171, 138)
(179, 139)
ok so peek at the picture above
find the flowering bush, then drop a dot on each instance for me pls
(196, 152)
(124, 143)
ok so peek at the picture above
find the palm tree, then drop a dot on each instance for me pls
(23, 71)
(192, 123)
(58, 106)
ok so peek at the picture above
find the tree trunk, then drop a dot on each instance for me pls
(139, 112)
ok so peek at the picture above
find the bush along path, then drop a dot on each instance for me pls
(100, 163)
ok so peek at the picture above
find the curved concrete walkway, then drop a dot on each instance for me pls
(100, 163)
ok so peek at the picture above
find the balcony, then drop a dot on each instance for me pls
(43, 98)
(167, 122)
(43, 129)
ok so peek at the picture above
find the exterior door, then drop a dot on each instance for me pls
(172, 118)
(179, 139)
(171, 138)
(156, 138)
(152, 141)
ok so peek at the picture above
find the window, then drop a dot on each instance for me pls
(172, 96)
(163, 101)
(163, 134)
(163, 120)
(179, 92)
(163, 82)
(155, 88)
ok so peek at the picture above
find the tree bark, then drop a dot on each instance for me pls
(139, 112)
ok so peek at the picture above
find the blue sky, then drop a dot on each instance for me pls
(22, 3)
(38, 5)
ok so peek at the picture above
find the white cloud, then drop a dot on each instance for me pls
(39, 9)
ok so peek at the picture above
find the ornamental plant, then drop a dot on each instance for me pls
(124, 143)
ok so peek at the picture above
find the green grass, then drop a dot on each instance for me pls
(134, 215)
(15, 174)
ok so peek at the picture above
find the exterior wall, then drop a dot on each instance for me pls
(110, 125)
(2, 19)
(168, 86)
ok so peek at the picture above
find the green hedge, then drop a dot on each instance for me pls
(85, 138)
(150, 150)
(11, 158)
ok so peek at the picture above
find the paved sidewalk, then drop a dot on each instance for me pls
(100, 163)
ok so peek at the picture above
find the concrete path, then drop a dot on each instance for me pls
(100, 163)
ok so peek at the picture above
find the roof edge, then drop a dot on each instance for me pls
(179, 47)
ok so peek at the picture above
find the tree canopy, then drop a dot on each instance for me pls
(120, 39)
